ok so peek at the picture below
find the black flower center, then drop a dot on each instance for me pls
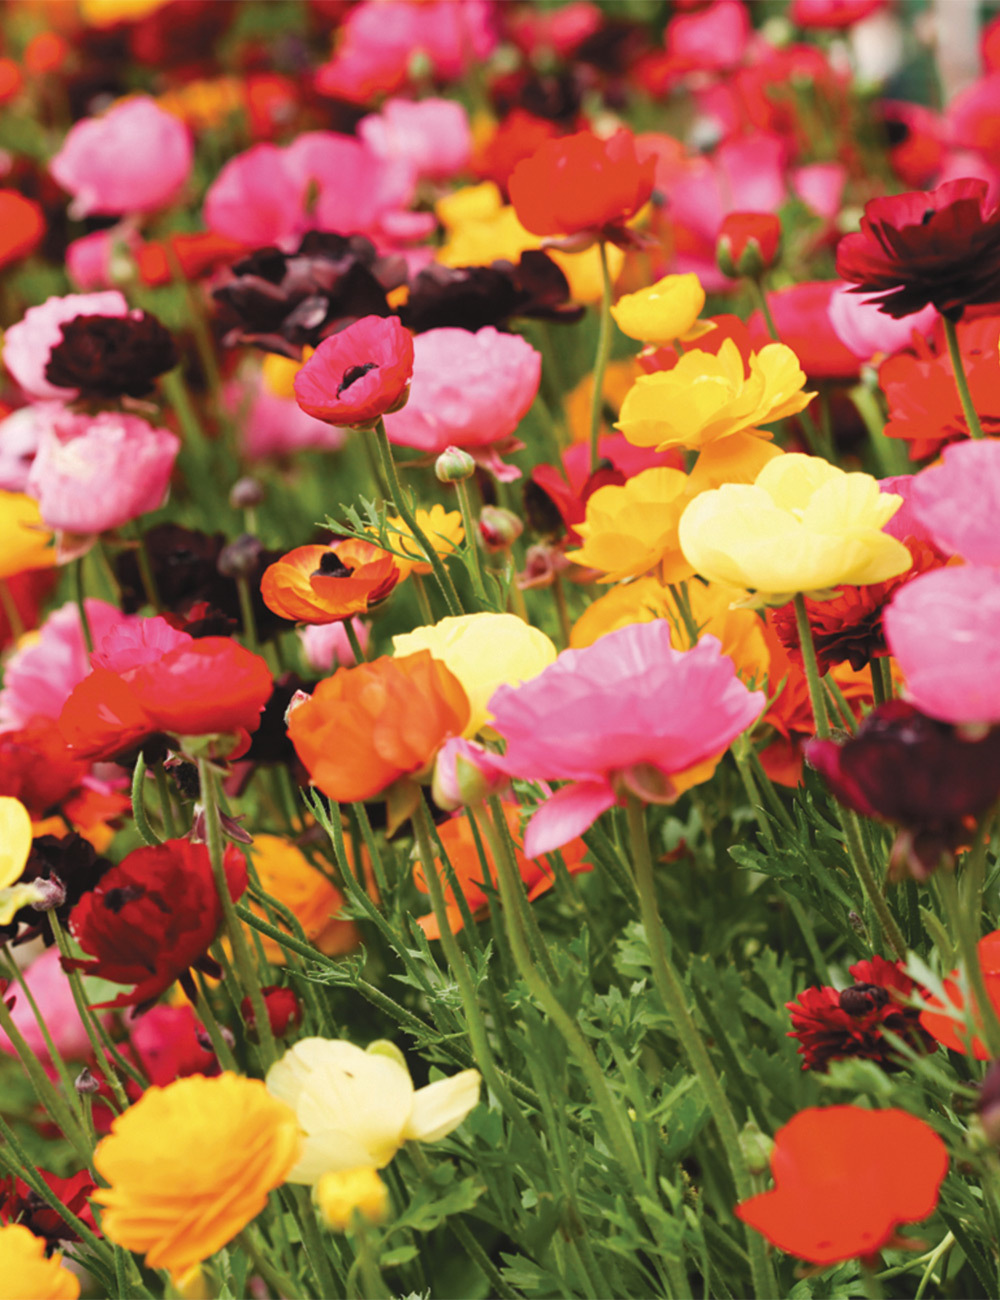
(332, 566)
(352, 374)
(862, 998)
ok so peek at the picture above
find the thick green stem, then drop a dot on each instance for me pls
(601, 359)
(409, 518)
(354, 642)
(809, 663)
(671, 991)
(961, 382)
(965, 925)
(471, 537)
(78, 592)
(142, 822)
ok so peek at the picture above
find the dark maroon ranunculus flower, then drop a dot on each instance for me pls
(282, 302)
(921, 774)
(111, 356)
(152, 917)
(832, 1024)
(941, 247)
(71, 861)
(469, 297)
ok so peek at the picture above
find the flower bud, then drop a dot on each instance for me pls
(756, 1147)
(454, 465)
(51, 892)
(241, 558)
(284, 1011)
(499, 528)
(246, 493)
(338, 1195)
(747, 244)
(464, 774)
(85, 1083)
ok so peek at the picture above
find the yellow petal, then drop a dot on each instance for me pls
(15, 839)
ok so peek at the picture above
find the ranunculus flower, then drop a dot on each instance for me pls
(327, 584)
(27, 1271)
(469, 391)
(845, 1179)
(627, 713)
(28, 345)
(25, 542)
(663, 312)
(706, 397)
(356, 1108)
(269, 423)
(581, 184)
(431, 135)
(54, 997)
(862, 327)
(286, 874)
(943, 629)
(941, 247)
(365, 727)
(326, 647)
(632, 528)
(958, 501)
(111, 356)
(802, 526)
(945, 1022)
(97, 472)
(748, 243)
(152, 917)
(357, 376)
(239, 1139)
(135, 158)
(22, 225)
(483, 651)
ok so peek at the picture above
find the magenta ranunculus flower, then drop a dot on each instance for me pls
(469, 391)
(135, 158)
(355, 377)
(97, 472)
(866, 331)
(431, 135)
(628, 712)
(943, 629)
(27, 346)
(958, 501)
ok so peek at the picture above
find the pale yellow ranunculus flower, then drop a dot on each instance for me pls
(705, 398)
(802, 526)
(483, 651)
(664, 311)
(631, 528)
(356, 1108)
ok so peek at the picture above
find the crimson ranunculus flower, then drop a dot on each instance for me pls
(19, 1204)
(152, 917)
(357, 376)
(926, 776)
(326, 584)
(845, 1179)
(580, 184)
(940, 247)
(831, 1024)
(747, 243)
(37, 767)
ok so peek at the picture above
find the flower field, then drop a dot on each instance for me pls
(499, 671)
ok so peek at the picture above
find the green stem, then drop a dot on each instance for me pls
(601, 359)
(471, 537)
(681, 599)
(166, 803)
(88, 635)
(245, 967)
(961, 382)
(409, 518)
(279, 1283)
(562, 613)
(811, 667)
(146, 575)
(423, 603)
(965, 924)
(142, 822)
(500, 841)
(881, 680)
(208, 1018)
(353, 641)
(671, 992)
(246, 612)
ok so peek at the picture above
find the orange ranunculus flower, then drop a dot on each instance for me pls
(191, 1164)
(460, 846)
(365, 727)
(286, 874)
(327, 584)
(26, 1271)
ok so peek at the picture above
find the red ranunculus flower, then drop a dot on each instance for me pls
(37, 767)
(748, 243)
(22, 225)
(152, 917)
(357, 376)
(581, 184)
(942, 1025)
(831, 1024)
(845, 1179)
(940, 247)
(19, 1204)
(284, 1010)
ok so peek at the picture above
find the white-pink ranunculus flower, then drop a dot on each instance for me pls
(97, 472)
(943, 629)
(868, 332)
(134, 158)
(53, 994)
(958, 501)
(469, 391)
(20, 434)
(27, 346)
(326, 647)
(431, 135)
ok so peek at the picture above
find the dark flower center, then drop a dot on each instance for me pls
(862, 998)
(352, 374)
(332, 566)
(115, 899)
(928, 217)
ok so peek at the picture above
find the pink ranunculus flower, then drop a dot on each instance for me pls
(97, 472)
(431, 135)
(628, 712)
(28, 345)
(92, 260)
(821, 186)
(20, 434)
(39, 677)
(905, 522)
(138, 642)
(943, 629)
(466, 772)
(136, 158)
(252, 200)
(326, 647)
(469, 391)
(958, 501)
(50, 987)
(271, 425)
(867, 332)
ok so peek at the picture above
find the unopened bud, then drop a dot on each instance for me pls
(284, 1011)
(748, 243)
(499, 528)
(240, 558)
(246, 493)
(299, 698)
(85, 1083)
(51, 892)
(756, 1147)
(341, 1195)
(454, 465)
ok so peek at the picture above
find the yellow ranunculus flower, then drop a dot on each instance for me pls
(26, 1271)
(278, 373)
(483, 651)
(108, 13)
(25, 542)
(339, 1194)
(802, 526)
(664, 311)
(705, 397)
(632, 528)
(442, 528)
